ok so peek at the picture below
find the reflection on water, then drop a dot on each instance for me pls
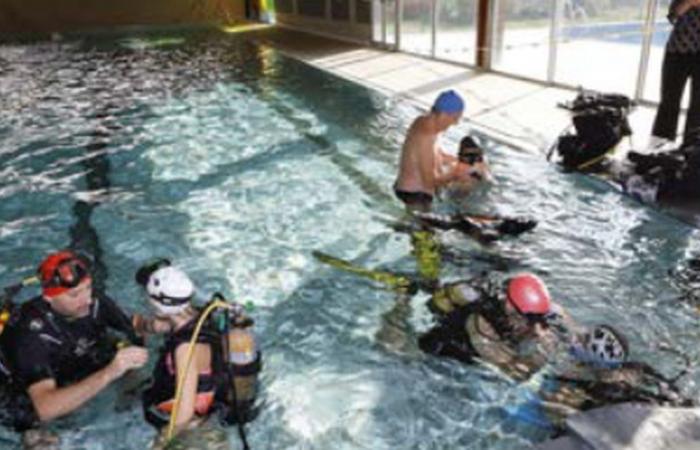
(237, 163)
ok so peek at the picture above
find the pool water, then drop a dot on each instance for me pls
(237, 162)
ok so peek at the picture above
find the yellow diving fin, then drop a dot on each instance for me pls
(389, 279)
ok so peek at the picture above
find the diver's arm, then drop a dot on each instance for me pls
(446, 157)
(443, 177)
(191, 375)
(51, 401)
(442, 172)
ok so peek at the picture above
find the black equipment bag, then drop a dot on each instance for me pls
(600, 123)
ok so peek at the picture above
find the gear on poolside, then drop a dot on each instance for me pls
(604, 346)
(169, 290)
(448, 102)
(600, 123)
(529, 295)
(62, 271)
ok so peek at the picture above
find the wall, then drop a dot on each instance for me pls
(67, 15)
(350, 19)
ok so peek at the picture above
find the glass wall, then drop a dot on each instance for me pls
(606, 45)
(520, 37)
(384, 22)
(599, 44)
(456, 31)
(417, 26)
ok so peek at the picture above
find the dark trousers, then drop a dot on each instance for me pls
(677, 69)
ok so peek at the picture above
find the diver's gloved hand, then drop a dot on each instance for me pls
(517, 226)
(126, 359)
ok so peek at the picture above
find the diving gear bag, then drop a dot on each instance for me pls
(600, 123)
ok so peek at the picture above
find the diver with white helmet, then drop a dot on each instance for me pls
(223, 371)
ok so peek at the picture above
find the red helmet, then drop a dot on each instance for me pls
(528, 294)
(60, 272)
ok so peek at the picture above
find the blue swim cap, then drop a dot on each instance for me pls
(448, 102)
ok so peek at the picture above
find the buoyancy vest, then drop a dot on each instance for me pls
(158, 400)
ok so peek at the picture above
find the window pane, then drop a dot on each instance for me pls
(390, 22)
(456, 35)
(521, 37)
(600, 44)
(384, 11)
(416, 26)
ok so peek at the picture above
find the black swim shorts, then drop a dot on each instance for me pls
(414, 198)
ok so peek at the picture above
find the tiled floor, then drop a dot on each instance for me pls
(517, 112)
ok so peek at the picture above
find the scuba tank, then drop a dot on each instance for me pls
(241, 360)
(243, 366)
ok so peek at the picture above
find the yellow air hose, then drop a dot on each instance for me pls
(190, 353)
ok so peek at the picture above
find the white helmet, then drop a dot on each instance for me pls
(169, 290)
(602, 346)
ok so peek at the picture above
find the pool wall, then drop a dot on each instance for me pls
(18, 16)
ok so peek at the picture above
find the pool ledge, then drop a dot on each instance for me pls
(630, 426)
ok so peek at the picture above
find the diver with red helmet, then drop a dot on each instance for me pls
(514, 328)
(58, 348)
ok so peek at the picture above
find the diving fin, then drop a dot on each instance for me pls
(389, 279)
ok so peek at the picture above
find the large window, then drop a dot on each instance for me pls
(599, 44)
(521, 36)
(607, 45)
(417, 26)
(456, 30)
(384, 22)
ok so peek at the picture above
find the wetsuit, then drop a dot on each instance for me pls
(158, 399)
(449, 337)
(472, 322)
(40, 344)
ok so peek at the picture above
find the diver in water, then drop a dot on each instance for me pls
(598, 372)
(472, 168)
(57, 349)
(223, 372)
(591, 369)
(513, 328)
(424, 166)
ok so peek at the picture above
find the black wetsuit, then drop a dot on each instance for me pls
(449, 337)
(162, 389)
(40, 344)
